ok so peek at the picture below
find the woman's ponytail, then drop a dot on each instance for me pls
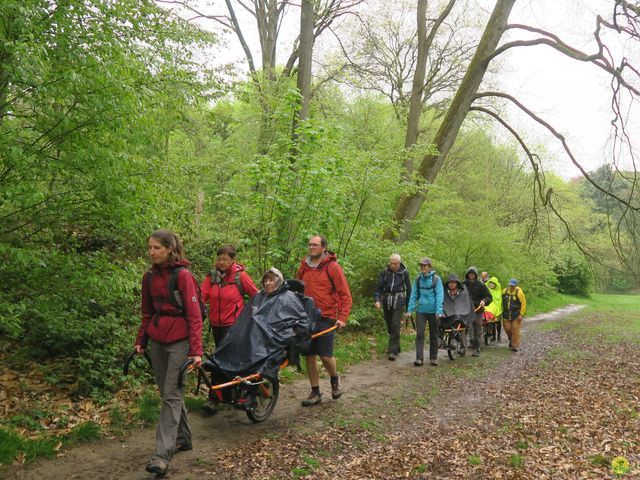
(170, 240)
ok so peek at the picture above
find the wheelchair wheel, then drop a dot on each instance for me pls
(266, 397)
(452, 347)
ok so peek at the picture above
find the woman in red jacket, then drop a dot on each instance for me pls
(173, 334)
(224, 289)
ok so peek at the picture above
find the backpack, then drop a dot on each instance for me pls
(174, 296)
(434, 281)
(301, 342)
(217, 279)
(325, 269)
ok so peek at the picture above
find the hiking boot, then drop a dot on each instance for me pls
(392, 356)
(313, 399)
(184, 445)
(336, 393)
(476, 353)
(418, 362)
(209, 408)
(434, 362)
(157, 466)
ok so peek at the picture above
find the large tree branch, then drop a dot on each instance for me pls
(562, 140)
(236, 28)
(545, 194)
(556, 43)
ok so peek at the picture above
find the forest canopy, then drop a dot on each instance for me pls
(113, 123)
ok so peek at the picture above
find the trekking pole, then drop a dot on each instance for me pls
(130, 357)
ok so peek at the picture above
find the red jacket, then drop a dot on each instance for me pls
(225, 301)
(162, 321)
(328, 287)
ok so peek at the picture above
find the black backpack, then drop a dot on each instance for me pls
(301, 342)
(217, 279)
(434, 282)
(174, 296)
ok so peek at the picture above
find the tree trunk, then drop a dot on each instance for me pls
(303, 80)
(307, 21)
(409, 204)
(417, 90)
(268, 17)
(415, 104)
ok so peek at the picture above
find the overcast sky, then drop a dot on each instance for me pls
(575, 97)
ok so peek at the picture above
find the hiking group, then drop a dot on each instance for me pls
(173, 310)
(434, 303)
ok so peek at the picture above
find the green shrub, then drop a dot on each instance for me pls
(85, 432)
(574, 276)
(10, 444)
(47, 304)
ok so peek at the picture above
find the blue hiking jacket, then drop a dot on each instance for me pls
(431, 296)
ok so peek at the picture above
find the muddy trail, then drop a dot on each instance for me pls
(389, 402)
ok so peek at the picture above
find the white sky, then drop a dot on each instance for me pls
(574, 97)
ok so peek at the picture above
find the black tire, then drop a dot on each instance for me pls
(486, 335)
(452, 347)
(462, 349)
(266, 399)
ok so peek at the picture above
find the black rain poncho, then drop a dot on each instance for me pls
(458, 308)
(257, 342)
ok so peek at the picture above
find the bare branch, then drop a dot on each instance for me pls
(545, 194)
(556, 43)
(243, 42)
(562, 140)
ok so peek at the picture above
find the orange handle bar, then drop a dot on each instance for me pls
(255, 376)
(319, 334)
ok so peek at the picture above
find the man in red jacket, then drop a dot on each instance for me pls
(324, 281)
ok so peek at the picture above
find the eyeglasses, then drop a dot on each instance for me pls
(315, 244)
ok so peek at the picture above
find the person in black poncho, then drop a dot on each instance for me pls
(258, 341)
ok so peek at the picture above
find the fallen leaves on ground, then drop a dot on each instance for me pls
(565, 417)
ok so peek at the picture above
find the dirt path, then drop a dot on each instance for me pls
(397, 389)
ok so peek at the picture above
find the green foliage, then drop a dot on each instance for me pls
(85, 432)
(10, 444)
(574, 276)
(52, 290)
(148, 408)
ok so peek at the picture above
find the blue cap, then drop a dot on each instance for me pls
(513, 282)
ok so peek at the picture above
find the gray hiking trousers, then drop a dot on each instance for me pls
(476, 331)
(167, 358)
(393, 319)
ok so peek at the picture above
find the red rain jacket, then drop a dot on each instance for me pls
(161, 321)
(225, 302)
(328, 287)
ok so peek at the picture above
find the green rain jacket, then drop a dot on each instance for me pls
(495, 307)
